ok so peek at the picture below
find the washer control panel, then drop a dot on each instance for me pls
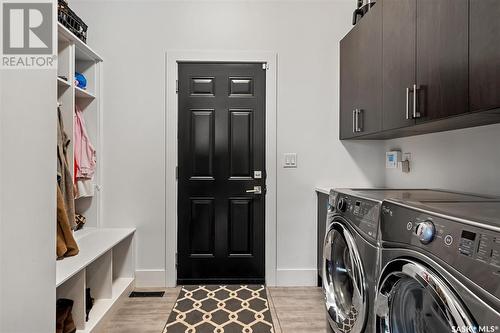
(364, 214)
(472, 250)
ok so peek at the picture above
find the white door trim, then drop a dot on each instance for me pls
(172, 57)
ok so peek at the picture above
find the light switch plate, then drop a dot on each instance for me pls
(290, 160)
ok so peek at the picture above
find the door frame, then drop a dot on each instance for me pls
(171, 125)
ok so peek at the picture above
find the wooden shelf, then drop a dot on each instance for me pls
(81, 93)
(62, 83)
(83, 52)
(93, 243)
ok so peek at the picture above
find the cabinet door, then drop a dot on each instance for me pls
(484, 54)
(398, 62)
(361, 76)
(349, 80)
(442, 58)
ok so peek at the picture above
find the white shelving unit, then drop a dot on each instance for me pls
(80, 93)
(106, 262)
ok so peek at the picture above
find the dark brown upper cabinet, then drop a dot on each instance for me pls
(484, 56)
(361, 78)
(440, 60)
(398, 62)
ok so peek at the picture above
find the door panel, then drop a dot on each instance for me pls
(201, 227)
(202, 140)
(221, 143)
(240, 143)
(484, 54)
(240, 227)
(399, 28)
(442, 58)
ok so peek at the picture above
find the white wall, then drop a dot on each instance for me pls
(28, 180)
(464, 160)
(28, 183)
(133, 37)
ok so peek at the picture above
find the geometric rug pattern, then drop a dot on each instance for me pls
(221, 309)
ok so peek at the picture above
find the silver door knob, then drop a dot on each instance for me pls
(256, 190)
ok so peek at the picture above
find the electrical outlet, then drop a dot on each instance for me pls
(290, 160)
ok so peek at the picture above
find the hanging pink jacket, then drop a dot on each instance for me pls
(85, 154)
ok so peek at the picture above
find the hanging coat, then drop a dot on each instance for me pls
(66, 245)
(85, 154)
(64, 178)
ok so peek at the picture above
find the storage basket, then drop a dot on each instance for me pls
(70, 20)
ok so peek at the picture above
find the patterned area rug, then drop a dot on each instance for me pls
(221, 309)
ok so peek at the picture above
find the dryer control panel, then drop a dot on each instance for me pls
(362, 213)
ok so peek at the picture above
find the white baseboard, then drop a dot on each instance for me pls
(150, 278)
(297, 277)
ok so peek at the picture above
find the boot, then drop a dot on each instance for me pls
(63, 310)
(89, 303)
(69, 324)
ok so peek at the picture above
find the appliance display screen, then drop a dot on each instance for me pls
(468, 235)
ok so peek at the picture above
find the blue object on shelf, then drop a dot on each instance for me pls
(81, 81)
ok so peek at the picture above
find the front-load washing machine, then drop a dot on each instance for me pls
(351, 252)
(441, 267)
(350, 258)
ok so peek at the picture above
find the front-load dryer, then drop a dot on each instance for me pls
(441, 267)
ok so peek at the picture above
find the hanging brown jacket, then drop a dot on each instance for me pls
(66, 244)
(63, 172)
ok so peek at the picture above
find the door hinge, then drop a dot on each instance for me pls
(265, 66)
(176, 86)
(177, 172)
(176, 260)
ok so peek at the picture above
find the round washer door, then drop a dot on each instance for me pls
(343, 280)
(414, 299)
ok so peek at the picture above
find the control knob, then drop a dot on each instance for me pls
(426, 232)
(342, 205)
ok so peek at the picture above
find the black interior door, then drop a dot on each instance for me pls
(221, 150)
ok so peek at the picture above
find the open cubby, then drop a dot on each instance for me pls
(105, 263)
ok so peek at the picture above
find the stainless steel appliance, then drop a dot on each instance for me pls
(351, 252)
(441, 267)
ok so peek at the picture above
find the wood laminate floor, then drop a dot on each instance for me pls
(294, 310)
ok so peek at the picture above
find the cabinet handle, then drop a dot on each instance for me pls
(416, 114)
(357, 121)
(354, 116)
(407, 103)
